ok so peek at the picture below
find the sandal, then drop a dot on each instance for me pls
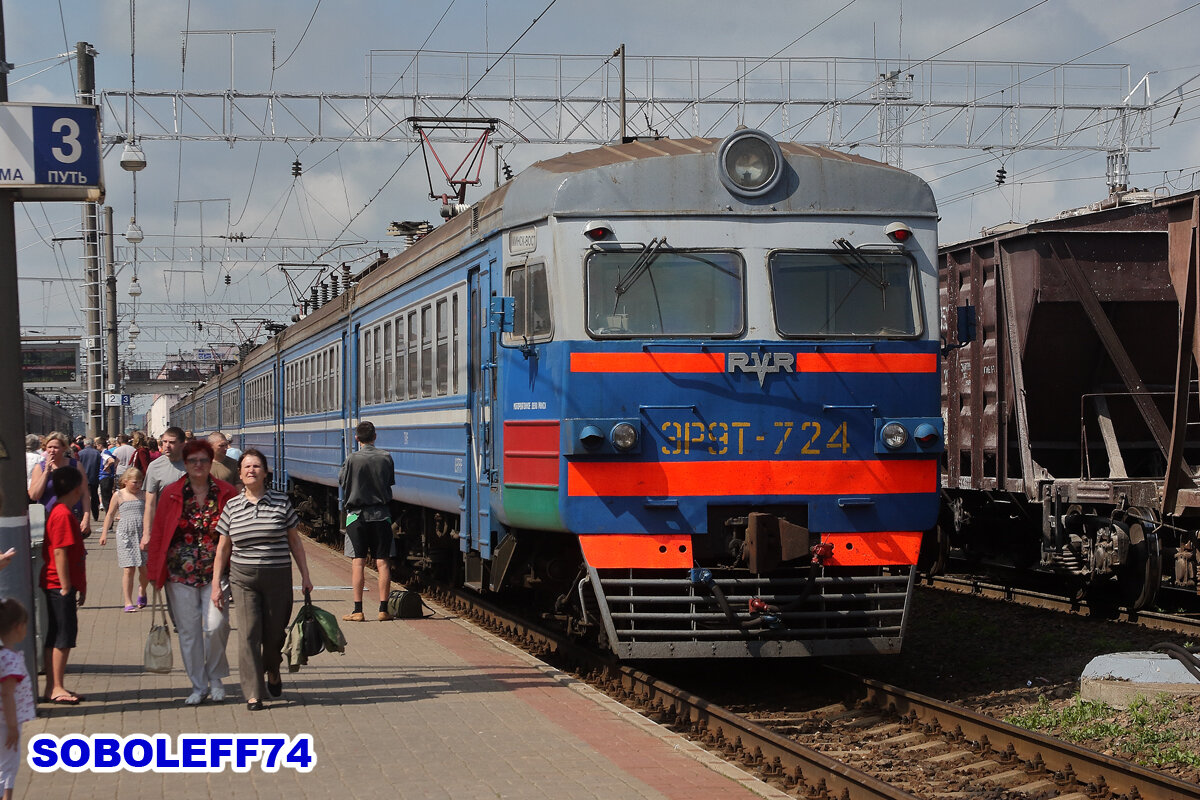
(141, 601)
(131, 608)
(66, 700)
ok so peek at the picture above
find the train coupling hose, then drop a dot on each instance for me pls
(821, 552)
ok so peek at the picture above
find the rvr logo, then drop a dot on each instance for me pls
(761, 363)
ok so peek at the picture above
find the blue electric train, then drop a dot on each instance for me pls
(684, 394)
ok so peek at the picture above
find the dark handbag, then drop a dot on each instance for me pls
(311, 638)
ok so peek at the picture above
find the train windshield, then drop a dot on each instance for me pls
(660, 292)
(845, 293)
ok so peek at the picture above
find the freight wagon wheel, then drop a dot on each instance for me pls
(1140, 577)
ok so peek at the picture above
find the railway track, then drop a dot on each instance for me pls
(882, 742)
(1186, 624)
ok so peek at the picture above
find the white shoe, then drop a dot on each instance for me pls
(193, 699)
(217, 693)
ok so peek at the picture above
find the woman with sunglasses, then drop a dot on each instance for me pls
(181, 556)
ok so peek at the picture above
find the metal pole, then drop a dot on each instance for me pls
(91, 259)
(620, 51)
(17, 580)
(110, 315)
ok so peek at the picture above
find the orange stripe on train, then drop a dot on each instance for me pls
(674, 551)
(866, 362)
(747, 478)
(647, 362)
(874, 548)
(682, 363)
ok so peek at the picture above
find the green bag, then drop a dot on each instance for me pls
(404, 604)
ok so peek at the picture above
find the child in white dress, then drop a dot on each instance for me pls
(126, 507)
(16, 690)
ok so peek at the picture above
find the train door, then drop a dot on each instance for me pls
(476, 542)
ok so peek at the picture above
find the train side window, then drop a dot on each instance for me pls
(378, 365)
(388, 382)
(454, 339)
(368, 378)
(443, 346)
(427, 351)
(414, 363)
(399, 354)
(528, 287)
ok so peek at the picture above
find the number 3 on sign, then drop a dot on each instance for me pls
(70, 140)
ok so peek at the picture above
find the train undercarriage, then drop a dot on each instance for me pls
(1089, 546)
(757, 588)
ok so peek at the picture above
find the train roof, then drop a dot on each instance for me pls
(638, 178)
(633, 178)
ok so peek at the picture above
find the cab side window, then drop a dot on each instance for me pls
(528, 287)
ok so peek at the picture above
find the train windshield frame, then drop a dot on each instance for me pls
(665, 293)
(823, 294)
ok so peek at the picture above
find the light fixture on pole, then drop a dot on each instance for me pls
(132, 158)
(133, 234)
(135, 288)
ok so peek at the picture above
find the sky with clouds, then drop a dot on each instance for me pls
(345, 194)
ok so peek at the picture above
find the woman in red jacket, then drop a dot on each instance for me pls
(180, 554)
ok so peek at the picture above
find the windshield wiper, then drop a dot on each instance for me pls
(861, 265)
(637, 269)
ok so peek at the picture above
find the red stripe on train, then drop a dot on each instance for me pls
(686, 363)
(747, 478)
(531, 452)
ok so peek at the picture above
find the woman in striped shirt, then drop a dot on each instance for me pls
(259, 539)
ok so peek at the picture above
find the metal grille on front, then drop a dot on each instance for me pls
(643, 611)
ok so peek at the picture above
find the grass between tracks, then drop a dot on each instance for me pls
(1147, 731)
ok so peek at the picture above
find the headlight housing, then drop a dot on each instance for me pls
(894, 435)
(750, 163)
(623, 436)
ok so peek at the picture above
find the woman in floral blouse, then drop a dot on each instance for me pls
(183, 545)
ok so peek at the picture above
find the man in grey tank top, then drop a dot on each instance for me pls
(366, 480)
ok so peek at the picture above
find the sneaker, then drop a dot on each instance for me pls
(217, 692)
(385, 616)
(357, 616)
(193, 699)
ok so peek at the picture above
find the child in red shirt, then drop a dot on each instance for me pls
(63, 580)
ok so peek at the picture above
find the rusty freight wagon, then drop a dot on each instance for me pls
(1062, 409)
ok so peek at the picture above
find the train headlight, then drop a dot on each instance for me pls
(623, 436)
(894, 435)
(750, 163)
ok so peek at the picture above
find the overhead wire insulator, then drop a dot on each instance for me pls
(1000, 176)
(296, 168)
(508, 171)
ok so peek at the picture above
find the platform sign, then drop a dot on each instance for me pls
(51, 152)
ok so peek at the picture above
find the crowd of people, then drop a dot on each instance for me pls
(196, 520)
(189, 521)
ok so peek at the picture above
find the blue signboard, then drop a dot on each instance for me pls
(51, 152)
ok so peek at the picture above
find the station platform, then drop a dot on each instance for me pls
(431, 708)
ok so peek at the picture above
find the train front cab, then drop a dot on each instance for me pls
(732, 495)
